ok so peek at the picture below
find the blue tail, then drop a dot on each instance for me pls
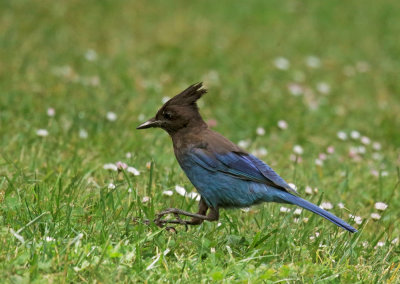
(292, 199)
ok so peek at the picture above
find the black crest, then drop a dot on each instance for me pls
(189, 96)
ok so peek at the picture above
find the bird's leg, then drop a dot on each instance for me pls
(202, 211)
(197, 218)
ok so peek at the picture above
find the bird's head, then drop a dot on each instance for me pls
(179, 112)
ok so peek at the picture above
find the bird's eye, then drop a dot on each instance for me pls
(167, 115)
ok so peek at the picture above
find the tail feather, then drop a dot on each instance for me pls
(292, 199)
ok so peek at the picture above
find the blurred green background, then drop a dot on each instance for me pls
(324, 67)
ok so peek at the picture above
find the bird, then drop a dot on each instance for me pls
(225, 175)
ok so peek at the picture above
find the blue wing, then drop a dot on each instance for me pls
(240, 165)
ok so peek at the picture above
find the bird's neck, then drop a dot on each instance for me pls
(186, 136)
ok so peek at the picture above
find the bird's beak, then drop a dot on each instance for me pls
(152, 122)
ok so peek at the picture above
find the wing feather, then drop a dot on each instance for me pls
(239, 165)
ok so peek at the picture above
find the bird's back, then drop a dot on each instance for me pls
(219, 170)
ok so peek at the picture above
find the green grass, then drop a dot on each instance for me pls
(60, 222)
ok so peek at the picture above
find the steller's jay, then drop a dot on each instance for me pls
(223, 174)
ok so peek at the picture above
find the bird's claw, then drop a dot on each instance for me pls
(159, 223)
(178, 220)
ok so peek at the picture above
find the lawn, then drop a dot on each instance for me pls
(310, 87)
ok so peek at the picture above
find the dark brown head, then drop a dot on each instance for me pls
(179, 112)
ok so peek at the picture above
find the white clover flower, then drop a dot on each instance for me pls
(365, 244)
(323, 88)
(281, 63)
(353, 151)
(260, 152)
(297, 149)
(384, 173)
(395, 241)
(212, 77)
(293, 186)
(365, 140)
(133, 171)
(130, 190)
(284, 209)
(282, 124)
(330, 150)
(376, 146)
(111, 116)
(165, 99)
(42, 132)
(180, 190)
(380, 244)
(212, 250)
(305, 220)
(326, 205)
(297, 211)
(145, 199)
(361, 150)
(356, 219)
(260, 131)
(121, 165)
(376, 156)
(319, 162)
(83, 134)
(244, 143)
(51, 112)
(219, 224)
(381, 206)
(63, 71)
(90, 55)
(111, 167)
(246, 209)
(342, 135)
(375, 216)
(128, 155)
(49, 239)
(341, 205)
(295, 89)
(194, 195)
(308, 190)
(111, 186)
(313, 61)
(168, 192)
(375, 173)
(355, 135)
(295, 158)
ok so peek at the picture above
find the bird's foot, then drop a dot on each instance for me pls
(160, 223)
(197, 219)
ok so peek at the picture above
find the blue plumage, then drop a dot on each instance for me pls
(224, 174)
(234, 180)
